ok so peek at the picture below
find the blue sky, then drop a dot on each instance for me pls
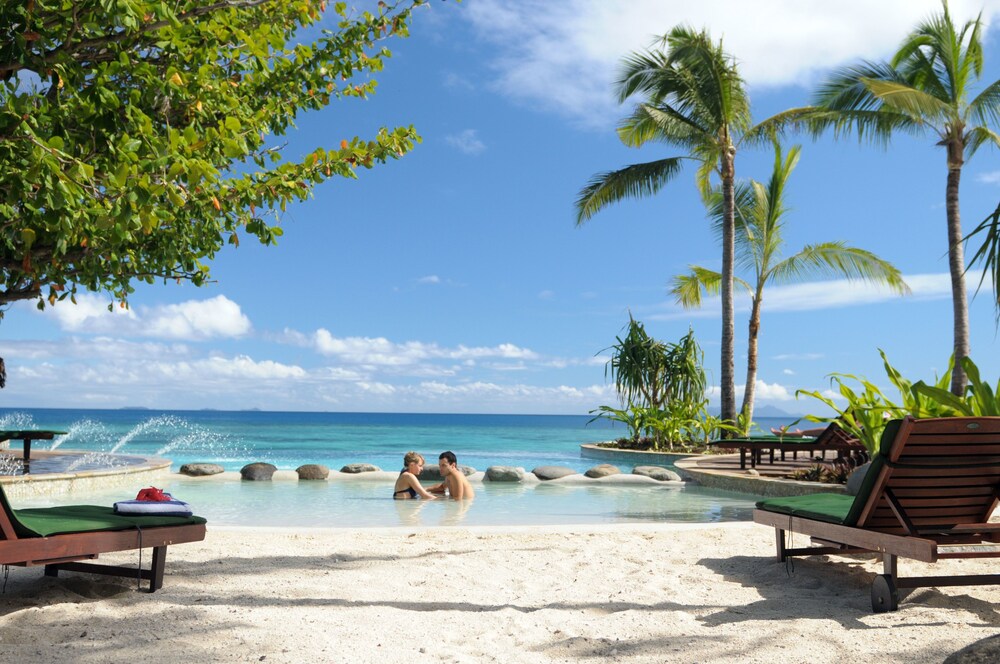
(454, 279)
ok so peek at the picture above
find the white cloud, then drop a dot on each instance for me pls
(191, 320)
(798, 356)
(429, 280)
(466, 141)
(89, 313)
(382, 352)
(97, 348)
(563, 56)
(815, 295)
(770, 391)
(992, 177)
(197, 319)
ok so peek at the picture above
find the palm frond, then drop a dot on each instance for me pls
(709, 165)
(688, 289)
(978, 137)
(985, 108)
(876, 127)
(941, 59)
(845, 89)
(743, 210)
(714, 88)
(918, 105)
(926, 70)
(640, 72)
(839, 259)
(634, 181)
(776, 126)
(660, 123)
(988, 255)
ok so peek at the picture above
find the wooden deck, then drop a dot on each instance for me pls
(730, 464)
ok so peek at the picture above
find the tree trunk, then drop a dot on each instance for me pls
(728, 383)
(956, 264)
(754, 332)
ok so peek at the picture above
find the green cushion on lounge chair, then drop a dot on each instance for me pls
(834, 507)
(45, 521)
(830, 507)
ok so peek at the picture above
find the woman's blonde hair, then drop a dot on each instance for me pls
(412, 457)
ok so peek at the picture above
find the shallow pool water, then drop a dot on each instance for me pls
(368, 504)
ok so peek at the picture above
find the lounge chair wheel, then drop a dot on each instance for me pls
(885, 596)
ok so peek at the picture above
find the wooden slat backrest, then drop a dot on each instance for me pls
(836, 437)
(940, 472)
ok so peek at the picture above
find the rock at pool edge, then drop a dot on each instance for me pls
(200, 469)
(313, 471)
(552, 472)
(257, 472)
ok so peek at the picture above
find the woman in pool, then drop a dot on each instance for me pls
(407, 485)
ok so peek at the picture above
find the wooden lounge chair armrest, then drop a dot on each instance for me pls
(917, 548)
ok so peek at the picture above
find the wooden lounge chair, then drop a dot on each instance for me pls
(928, 495)
(833, 438)
(58, 537)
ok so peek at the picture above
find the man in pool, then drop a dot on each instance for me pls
(455, 482)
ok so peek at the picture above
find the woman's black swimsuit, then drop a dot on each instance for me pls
(409, 490)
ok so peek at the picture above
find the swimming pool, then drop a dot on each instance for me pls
(233, 439)
(367, 503)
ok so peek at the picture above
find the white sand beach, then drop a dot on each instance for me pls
(657, 593)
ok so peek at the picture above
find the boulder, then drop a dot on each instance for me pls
(658, 473)
(355, 468)
(505, 474)
(603, 470)
(552, 472)
(200, 469)
(433, 473)
(313, 471)
(257, 472)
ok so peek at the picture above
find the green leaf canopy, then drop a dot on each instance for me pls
(136, 137)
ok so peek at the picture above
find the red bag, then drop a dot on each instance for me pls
(152, 494)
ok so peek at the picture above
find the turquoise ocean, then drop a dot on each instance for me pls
(290, 439)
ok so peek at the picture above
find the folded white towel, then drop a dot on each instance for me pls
(158, 508)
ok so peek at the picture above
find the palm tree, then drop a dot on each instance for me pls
(694, 100)
(924, 87)
(760, 220)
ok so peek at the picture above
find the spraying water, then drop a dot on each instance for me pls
(85, 430)
(155, 423)
(17, 421)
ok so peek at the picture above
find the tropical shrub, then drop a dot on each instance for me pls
(868, 409)
(661, 387)
(634, 418)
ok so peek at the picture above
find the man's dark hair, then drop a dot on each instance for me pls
(449, 457)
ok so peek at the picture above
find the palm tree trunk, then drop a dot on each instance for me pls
(956, 264)
(754, 332)
(728, 383)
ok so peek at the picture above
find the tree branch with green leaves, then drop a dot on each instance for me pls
(138, 138)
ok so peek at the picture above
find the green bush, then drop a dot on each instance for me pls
(868, 409)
